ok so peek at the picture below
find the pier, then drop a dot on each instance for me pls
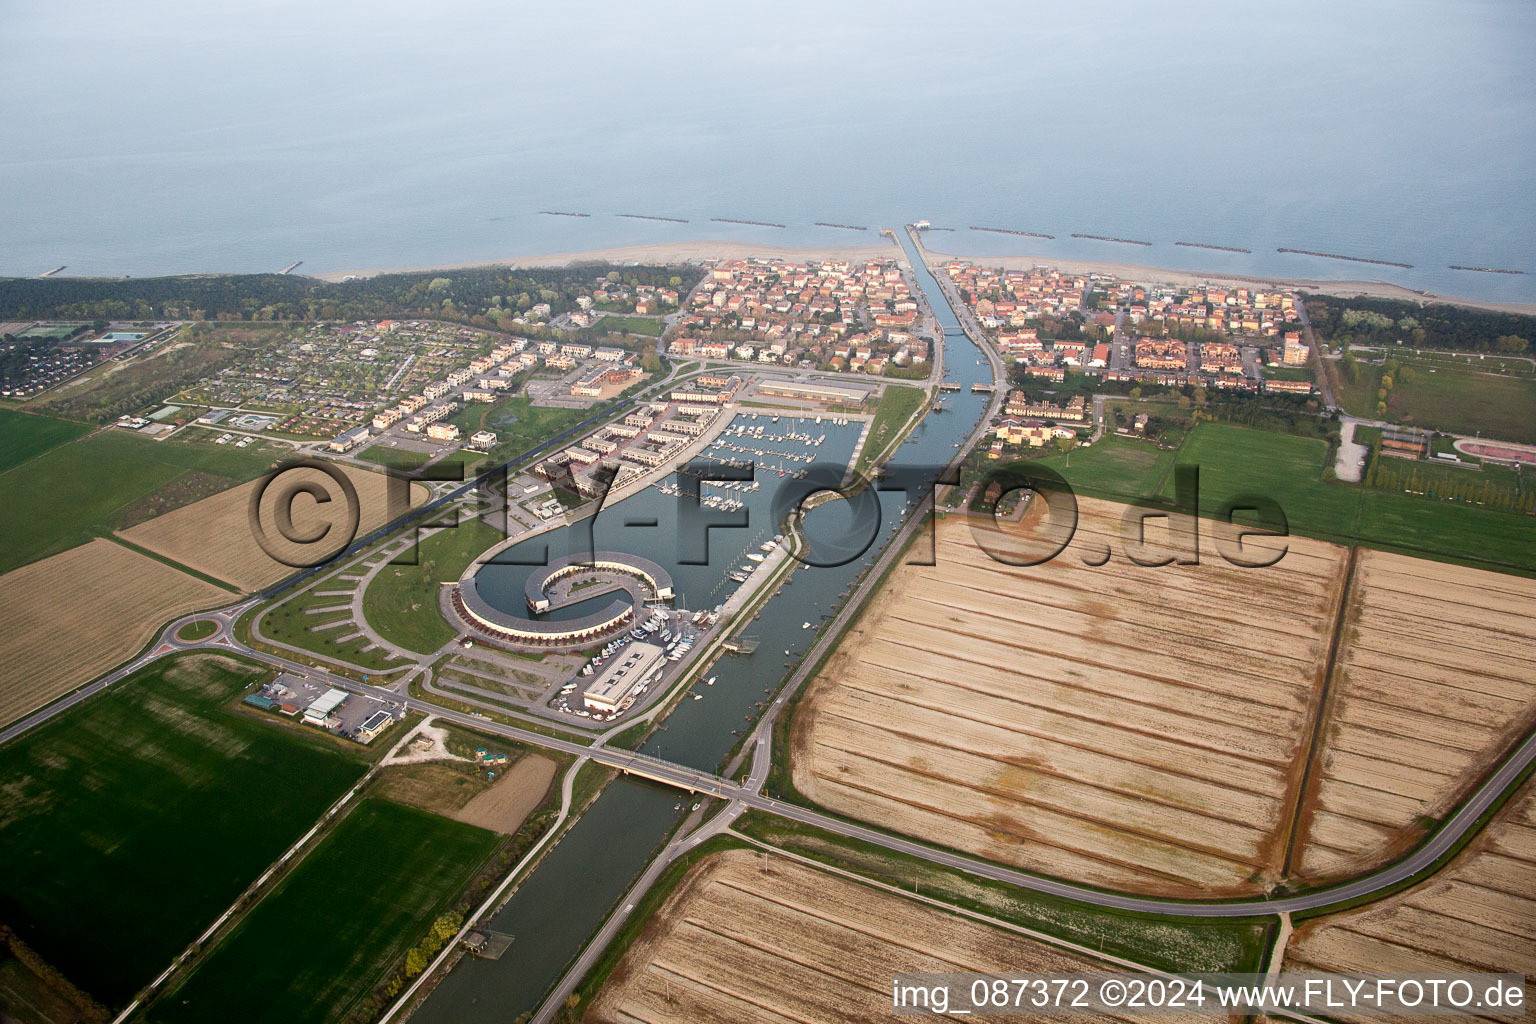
(55, 270)
(291, 267)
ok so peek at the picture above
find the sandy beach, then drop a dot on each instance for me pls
(659, 252)
(1165, 275)
(709, 250)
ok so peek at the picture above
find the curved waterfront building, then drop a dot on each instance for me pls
(480, 616)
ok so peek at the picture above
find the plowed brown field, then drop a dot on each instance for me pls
(1479, 915)
(73, 616)
(215, 535)
(1133, 727)
(750, 938)
(1435, 679)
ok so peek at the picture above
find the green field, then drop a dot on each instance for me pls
(1236, 461)
(1115, 467)
(612, 324)
(1457, 397)
(327, 935)
(73, 492)
(131, 822)
(401, 601)
(23, 436)
(896, 407)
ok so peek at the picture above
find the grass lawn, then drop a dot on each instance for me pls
(1116, 468)
(896, 407)
(74, 492)
(1168, 943)
(132, 821)
(1466, 402)
(199, 630)
(401, 601)
(327, 934)
(291, 623)
(611, 323)
(1446, 396)
(23, 435)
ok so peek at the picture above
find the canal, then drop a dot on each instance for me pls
(557, 908)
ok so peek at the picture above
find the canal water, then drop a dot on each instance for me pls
(557, 908)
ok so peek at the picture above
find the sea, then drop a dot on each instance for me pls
(185, 137)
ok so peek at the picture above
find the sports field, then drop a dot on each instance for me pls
(749, 937)
(131, 822)
(23, 436)
(73, 616)
(65, 496)
(1478, 915)
(1141, 728)
(326, 936)
(215, 535)
(1435, 679)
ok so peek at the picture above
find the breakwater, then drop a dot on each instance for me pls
(646, 216)
(1351, 259)
(1011, 231)
(753, 223)
(1487, 270)
(1207, 245)
(1110, 238)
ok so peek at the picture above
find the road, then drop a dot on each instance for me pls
(1324, 386)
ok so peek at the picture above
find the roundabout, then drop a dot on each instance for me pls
(564, 582)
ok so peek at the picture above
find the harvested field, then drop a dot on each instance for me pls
(1134, 727)
(456, 789)
(757, 938)
(511, 798)
(214, 535)
(73, 616)
(1478, 915)
(1435, 679)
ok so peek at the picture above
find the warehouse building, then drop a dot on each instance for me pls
(636, 666)
(812, 392)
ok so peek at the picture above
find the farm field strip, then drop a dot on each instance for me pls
(74, 615)
(1088, 723)
(1434, 681)
(746, 939)
(215, 535)
(1479, 914)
